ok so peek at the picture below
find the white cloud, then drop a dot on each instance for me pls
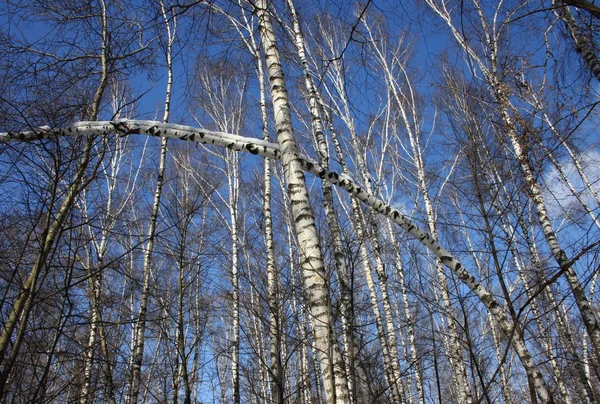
(560, 200)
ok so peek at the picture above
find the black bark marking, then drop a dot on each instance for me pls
(302, 216)
(252, 149)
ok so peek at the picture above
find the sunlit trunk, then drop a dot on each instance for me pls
(316, 282)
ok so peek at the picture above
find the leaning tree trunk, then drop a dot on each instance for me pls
(270, 150)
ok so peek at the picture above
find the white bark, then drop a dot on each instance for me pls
(140, 324)
(234, 184)
(408, 317)
(330, 212)
(582, 44)
(316, 282)
(277, 390)
(277, 385)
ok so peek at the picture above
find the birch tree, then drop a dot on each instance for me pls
(138, 340)
(336, 387)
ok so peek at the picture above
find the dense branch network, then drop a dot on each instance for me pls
(266, 149)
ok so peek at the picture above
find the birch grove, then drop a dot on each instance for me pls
(299, 202)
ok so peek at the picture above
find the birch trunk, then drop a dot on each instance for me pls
(140, 328)
(276, 364)
(138, 349)
(582, 43)
(234, 184)
(304, 381)
(182, 372)
(330, 213)
(316, 283)
(277, 385)
(408, 317)
(275, 344)
(91, 346)
(304, 384)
